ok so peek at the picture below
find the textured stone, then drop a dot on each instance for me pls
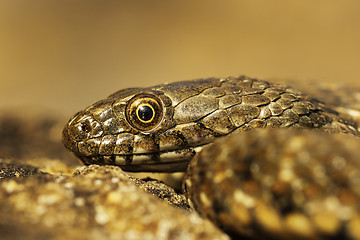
(96, 203)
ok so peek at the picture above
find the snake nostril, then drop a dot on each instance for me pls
(85, 127)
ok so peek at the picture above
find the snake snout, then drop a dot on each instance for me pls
(80, 128)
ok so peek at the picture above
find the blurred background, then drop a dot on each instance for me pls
(64, 55)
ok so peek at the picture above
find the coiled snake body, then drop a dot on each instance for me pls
(279, 183)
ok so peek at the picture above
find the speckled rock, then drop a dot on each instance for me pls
(162, 191)
(96, 203)
(10, 170)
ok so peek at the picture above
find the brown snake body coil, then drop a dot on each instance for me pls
(279, 183)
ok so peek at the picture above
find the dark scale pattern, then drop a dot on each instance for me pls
(305, 189)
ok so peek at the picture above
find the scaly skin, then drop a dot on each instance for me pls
(121, 130)
(295, 184)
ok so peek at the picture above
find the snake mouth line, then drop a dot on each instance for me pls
(166, 161)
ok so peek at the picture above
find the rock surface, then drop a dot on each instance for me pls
(45, 195)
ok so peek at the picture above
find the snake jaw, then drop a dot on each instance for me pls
(172, 161)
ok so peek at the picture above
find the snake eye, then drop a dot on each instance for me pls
(144, 112)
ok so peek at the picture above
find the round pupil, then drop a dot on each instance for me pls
(145, 113)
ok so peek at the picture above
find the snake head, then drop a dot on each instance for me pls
(144, 129)
(132, 128)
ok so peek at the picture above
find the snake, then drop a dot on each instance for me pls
(261, 159)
